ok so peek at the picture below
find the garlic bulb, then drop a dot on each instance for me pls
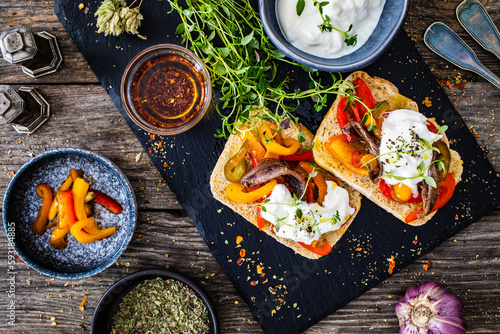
(430, 309)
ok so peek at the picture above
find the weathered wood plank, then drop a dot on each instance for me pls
(468, 264)
(84, 117)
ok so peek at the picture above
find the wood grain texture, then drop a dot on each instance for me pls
(467, 263)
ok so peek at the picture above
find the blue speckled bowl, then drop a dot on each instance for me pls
(21, 206)
(392, 18)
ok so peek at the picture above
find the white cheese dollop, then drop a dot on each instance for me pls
(401, 131)
(280, 207)
(303, 32)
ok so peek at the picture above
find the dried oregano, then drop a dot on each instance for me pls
(114, 17)
(159, 306)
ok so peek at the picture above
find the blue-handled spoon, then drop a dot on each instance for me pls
(475, 19)
(445, 43)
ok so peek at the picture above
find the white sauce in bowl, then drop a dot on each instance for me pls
(303, 32)
(401, 131)
(316, 219)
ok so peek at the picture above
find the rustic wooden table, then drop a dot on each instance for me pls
(84, 117)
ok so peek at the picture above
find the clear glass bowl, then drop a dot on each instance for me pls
(166, 89)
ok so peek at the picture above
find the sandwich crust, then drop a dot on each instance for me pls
(382, 90)
(218, 185)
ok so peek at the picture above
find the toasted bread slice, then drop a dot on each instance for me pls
(218, 185)
(382, 90)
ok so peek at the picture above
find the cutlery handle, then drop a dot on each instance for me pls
(475, 19)
(445, 43)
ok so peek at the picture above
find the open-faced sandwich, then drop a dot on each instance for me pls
(266, 173)
(375, 139)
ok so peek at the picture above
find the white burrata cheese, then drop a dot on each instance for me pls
(401, 131)
(303, 32)
(316, 219)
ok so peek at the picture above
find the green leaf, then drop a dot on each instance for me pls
(245, 40)
(421, 166)
(298, 213)
(300, 6)
(364, 120)
(180, 29)
(263, 208)
(276, 54)
(430, 181)
(220, 69)
(443, 128)
(277, 226)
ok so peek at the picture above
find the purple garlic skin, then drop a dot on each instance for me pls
(430, 309)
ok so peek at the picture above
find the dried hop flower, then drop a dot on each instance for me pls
(114, 17)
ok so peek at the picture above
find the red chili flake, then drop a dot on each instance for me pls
(442, 81)
(48, 283)
(150, 151)
(239, 239)
(165, 165)
(392, 264)
(152, 137)
(460, 85)
(254, 283)
(427, 102)
(358, 249)
(243, 252)
(448, 84)
(239, 260)
(415, 241)
(18, 259)
(160, 145)
(455, 102)
(427, 265)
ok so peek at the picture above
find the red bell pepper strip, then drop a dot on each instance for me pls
(304, 156)
(431, 127)
(446, 190)
(365, 95)
(318, 179)
(321, 247)
(253, 159)
(67, 216)
(260, 221)
(342, 118)
(107, 202)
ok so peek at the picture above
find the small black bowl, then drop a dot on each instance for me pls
(102, 321)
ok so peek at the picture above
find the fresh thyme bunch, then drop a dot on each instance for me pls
(114, 17)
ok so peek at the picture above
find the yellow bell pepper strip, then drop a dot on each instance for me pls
(59, 233)
(88, 209)
(67, 216)
(235, 192)
(64, 186)
(236, 166)
(318, 179)
(290, 146)
(40, 225)
(268, 133)
(84, 237)
(60, 243)
(254, 147)
(107, 202)
(340, 149)
(80, 188)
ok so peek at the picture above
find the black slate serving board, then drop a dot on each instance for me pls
(295, 292)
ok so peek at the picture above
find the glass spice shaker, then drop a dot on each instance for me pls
(26, 109)
(38, 54)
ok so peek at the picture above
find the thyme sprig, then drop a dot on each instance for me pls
(326, 25)
(229, 38)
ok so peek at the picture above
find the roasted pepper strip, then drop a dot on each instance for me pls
(60, 243)
(320, 247)
(342, 118)
(340, 149)
(88, 224)
(64, 186)
(80, 188)
(446, 190)
(59, 233)
(304, 156)
(236, 194)
(318, 179)
(365, 95)
(254, 147)
(268, 133)
(67, 216)
(40, 225)
(290, 146)
(107, 202)
(236, 166)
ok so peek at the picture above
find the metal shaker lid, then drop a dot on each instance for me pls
(17, 44)
(11, 104)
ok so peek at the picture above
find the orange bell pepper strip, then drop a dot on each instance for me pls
(67, 216)
(446, 190)
(340, 149)
(40, 225)
(254, 147)
(77, 230)
(320, 247)
(64, 186)
(318, 179)
(80, 188)
(59, 233)
(236, 194)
